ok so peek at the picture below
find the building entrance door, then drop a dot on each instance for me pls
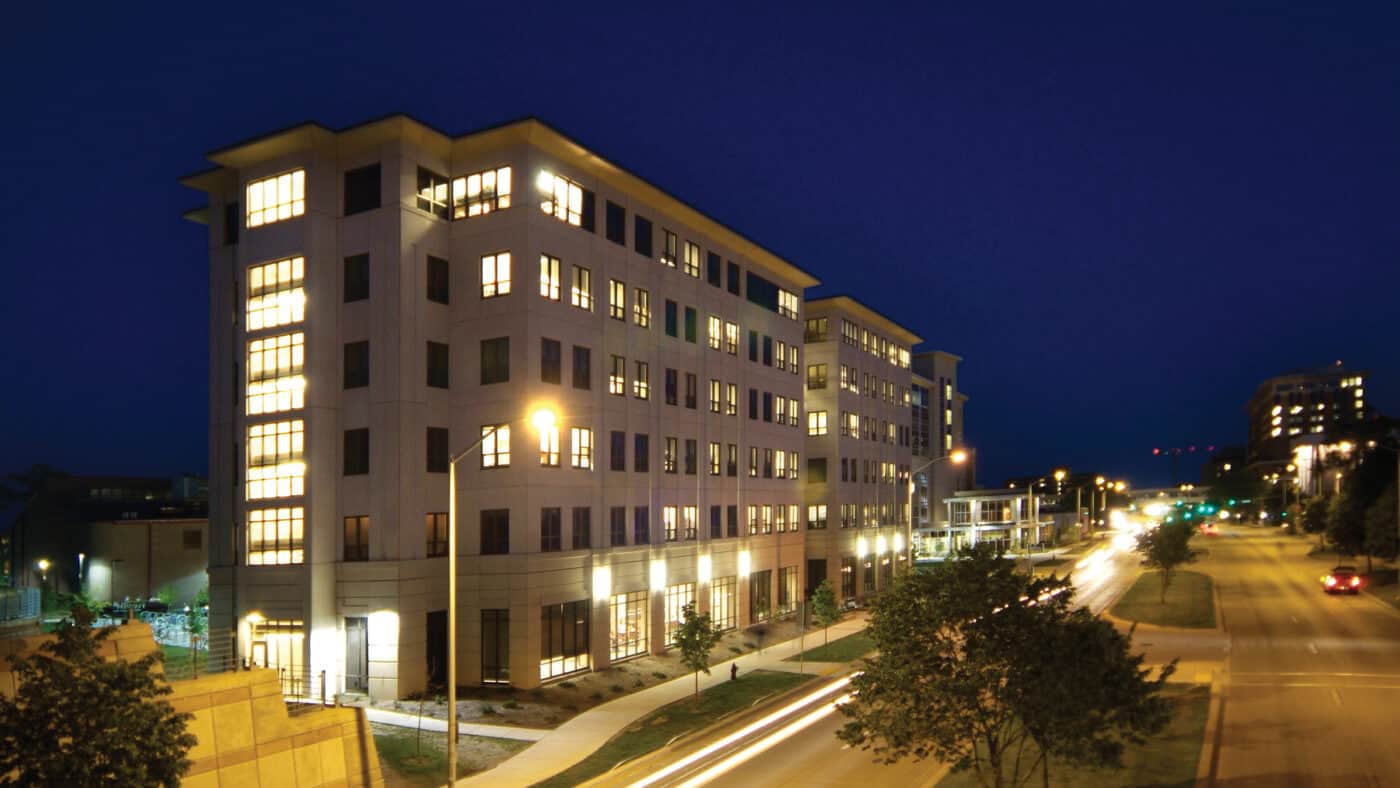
(356, 655)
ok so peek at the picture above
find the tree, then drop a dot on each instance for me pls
(1167, 547)
(1239, 484)
(1381, 537)
(1345, 527)
(825, 610)
(1315, 517)
(696, 637)
(980, 679)
(80, 719)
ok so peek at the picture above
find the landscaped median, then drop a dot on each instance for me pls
(1190, 601)
(843, 649)
(688, 715)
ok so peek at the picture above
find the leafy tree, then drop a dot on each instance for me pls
(1315, 517)
(1345, 526)
(1381, 537)
(1167, 547)
(696, 637)
(1238, 484)
(983, 675)
(825, 610)
(80, 719)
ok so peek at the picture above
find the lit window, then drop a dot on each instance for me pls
(668, 520)
(495, 274)
(731, 338)
(275, 293)
(641, 384)
(731, 399)
(432, 193)
(668, 456)
(549, 277)
(780, 409)
(780, 469)
(816, 422)
(275, 460)
(641, 308)
(714, 396)
(714, 458)
(692, 259)
(787, 304)
(275, 536)
(581, 448)
(617, 377)
(549, 447)
(714, 332)
(275, 382)
(780, 357)
(668, 248)
(690, 516)
(617, 300)
(561, 197)
(495, 446)
(816, 515)
(581, 294)
(277, 198)
(481, 192)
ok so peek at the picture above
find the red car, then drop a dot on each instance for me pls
(1210, 529)
(1342, 580)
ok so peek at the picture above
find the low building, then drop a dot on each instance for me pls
(1010, 519)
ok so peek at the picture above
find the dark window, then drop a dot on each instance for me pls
(356, 538)
(495, 646)
(691, 451)
(356, 277)
(641, 452)
(690, 320)
(495, 531)
(617, 454)
(753, 403)
(761, 595)
(767, 351)
(713, 269)
(641, 525)
(437, 450)
(583, 528)
(692, 385)
(617, 526)
(550, 531)
(753, 346)
(357, 451)
(732, 461)
(587, 216)
(616, 223)
(231, 223)
(768, 406)
(716, 523)
(550, 363)
(495, 360)
(761, 291)
(583, 367)
(433, 195)
(816, 470)
(362, 189)
(731, 520)
(564, 638)
(356, 364)
(671, 318)
(641, 235)
(671, 378)
(435, 524)
(439, 274)
(733, 281)
(438, 365)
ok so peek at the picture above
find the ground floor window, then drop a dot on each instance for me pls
(761, 595)
(280, 644)
(563, 639)
(787, 589)
(868, 575)
(886, 571)
(677, 597)
(724, 602)
(627, 631)
(495, 646)
(848, 577)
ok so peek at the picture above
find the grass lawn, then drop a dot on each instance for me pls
(1190, 601)
(654, 730)
(408, 762)
(1167, 761)
(840, 650)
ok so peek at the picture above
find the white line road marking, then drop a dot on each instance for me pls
(1312, 647)
(1336, 697)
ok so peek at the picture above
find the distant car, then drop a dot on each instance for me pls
(1210, 529)
(1342, 580)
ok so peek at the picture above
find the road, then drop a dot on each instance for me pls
(1312, 687)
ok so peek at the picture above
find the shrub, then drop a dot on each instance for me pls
(510, 704)
(618, 688)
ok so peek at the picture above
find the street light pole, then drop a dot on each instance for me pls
(957, 457)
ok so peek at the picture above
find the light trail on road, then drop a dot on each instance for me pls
(766, 743)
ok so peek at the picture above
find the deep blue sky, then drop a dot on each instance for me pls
(1123, 218)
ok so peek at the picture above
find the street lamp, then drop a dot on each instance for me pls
(543, 420)
(956, 457)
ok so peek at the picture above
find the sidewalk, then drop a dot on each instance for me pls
(403, 720)
(581, 736)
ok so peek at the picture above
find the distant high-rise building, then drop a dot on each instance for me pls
(937, 417)
(1316, 406)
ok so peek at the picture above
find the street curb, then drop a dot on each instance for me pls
(1369, 594)
(1208, 761)
(1219, 611)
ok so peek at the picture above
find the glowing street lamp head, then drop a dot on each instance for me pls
(543, 420)
(958, 457)
(1099, 480)
(1120, 486)
(43, 564)
(1059, 474)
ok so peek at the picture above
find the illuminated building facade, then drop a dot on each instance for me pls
(386, 295)
(858, 376)
(937, 418)
(1304, 407)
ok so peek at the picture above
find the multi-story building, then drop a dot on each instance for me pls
(937, 419)
(1324, 405)
(1011, 519)
(384, 297)
(858, 401)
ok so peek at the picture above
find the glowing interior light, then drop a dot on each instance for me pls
(658, 574)
(703, 569)
(602, 582)
(745, 563)
(880, 545)
(899, 543)
(860, 547)
(545, 181)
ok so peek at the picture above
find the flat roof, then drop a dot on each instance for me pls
(529, 130)
(868, 314)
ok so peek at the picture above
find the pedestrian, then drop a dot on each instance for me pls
(733, 671)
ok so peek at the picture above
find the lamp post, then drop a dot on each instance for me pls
(542, 419)
(956, 457)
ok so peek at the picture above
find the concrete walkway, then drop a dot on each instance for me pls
(403, 720)
(581, 736)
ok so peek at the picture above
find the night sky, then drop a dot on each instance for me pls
(1122, 218)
